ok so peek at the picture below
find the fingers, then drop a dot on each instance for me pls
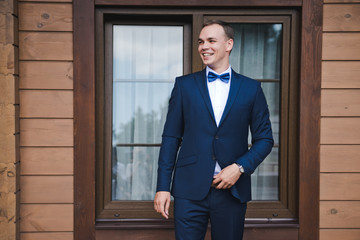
(162, 203)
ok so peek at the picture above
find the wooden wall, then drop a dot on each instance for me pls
(46, 119)
(340, 122)
(9, 123)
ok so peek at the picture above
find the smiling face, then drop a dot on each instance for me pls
(214, 47)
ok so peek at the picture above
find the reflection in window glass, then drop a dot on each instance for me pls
(257, 54)
(146, 60)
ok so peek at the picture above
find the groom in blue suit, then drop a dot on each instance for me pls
(204, 153)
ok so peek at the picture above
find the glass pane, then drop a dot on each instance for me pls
(146, 60)
(257, 54)
(257, 50)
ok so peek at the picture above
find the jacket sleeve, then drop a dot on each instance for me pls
(262, 139)
(171, 139)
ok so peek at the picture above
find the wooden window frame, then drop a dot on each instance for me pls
(108, 211)
(84, 107)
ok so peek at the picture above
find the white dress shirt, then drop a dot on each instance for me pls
(218, 92)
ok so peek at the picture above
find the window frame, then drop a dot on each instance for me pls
(108, 210)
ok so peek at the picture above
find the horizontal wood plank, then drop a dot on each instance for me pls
(8, 59)
(340, 102)
(46, 217)
(46, 132)
(47, 189)
(340, 131)
(45, 17)
(339, 158)
(47, 236)
(46, 161)
(46, 75)
(341, 46)
(340, 74)
(46, 104)
(340, 214)
(40, 1)
(341, 1)
(336, 234)
(339, 186)
(8, 29)
(341, 17)
(201, 3)
(46, 46)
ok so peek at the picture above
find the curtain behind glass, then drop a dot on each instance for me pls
(257, 54)
(146, 61)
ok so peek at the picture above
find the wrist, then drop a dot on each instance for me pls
(241, 169)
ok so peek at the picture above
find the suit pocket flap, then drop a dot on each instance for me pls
(186, 161)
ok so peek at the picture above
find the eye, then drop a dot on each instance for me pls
(200, 42)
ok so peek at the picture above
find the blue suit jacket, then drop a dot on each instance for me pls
(190, 125)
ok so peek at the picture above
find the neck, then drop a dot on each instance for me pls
(220, 69)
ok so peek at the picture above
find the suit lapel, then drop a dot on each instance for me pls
(234, 89)
(202, 85)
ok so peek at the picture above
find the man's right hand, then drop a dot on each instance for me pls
(162, 203)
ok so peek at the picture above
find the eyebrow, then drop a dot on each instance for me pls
(210, 38)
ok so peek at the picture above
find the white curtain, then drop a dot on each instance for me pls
(257, 54)
(146, 60)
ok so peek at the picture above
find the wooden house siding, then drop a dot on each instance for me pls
(46, 120)
(42, 85)
(9, 124)
(340, 122)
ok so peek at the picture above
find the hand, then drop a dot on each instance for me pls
(227, 177)
(162, 203)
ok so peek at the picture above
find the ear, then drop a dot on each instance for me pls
(229, 44)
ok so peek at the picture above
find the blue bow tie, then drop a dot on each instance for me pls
(225, 77)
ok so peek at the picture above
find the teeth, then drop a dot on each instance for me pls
(207, 54)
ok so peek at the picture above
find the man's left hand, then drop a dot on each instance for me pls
(227, 177)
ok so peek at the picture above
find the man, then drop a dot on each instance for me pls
(209, 115)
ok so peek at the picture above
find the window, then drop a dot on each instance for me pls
(142, 56)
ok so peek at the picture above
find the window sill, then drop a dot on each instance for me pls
(133, 224)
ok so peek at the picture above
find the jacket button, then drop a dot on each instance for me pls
(216, 137)
(214, 158)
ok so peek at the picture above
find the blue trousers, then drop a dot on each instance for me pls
(225, 212)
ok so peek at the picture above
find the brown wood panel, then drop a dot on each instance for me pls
(341, 17)
(46, 45)
(250, 233)
(7, 59)
(84, 119)
(8, 28)
(341, 46)
(341, 1)
(46, 132)
(341, 74)
(9, 89)
(340, 102)
(202, 3)
(340, 158)
(47, 189)
(45, 17)
(309, 120)
(40, 1)
(48, 236)
(340, 131)
(46, 217)
(46, 103)
(339, 186)
(340, 214)
(46, 75)
(47, 161)
(336, 234)
(8, 124)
